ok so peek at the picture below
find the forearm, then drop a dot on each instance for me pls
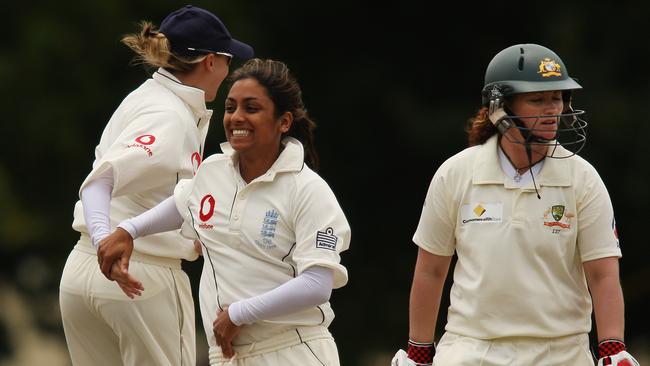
(163, 217)
(311, 288)
(426, 292)
(96, 201)
(607, 296)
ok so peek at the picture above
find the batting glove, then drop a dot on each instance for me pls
(612, 352)
(419, 354)
(401, 359)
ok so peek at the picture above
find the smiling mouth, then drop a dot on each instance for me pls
(240, 133)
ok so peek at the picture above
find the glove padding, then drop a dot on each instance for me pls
(402, 359)
(620, 359)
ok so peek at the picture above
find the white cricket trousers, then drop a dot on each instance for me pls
(457, 350)
(104, 327)
(301, 346)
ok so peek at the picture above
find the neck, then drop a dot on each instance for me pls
(191, 78)
(184, 77)
(516, 153)
(252, 166)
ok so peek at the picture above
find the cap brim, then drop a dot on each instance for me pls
(240, 50)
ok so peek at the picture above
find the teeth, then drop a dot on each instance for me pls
(240, 132)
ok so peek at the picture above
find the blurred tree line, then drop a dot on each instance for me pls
(390, 87)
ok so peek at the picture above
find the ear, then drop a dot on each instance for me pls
(286, 120)
(209, 62)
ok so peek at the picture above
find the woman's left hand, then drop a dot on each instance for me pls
(224, 331)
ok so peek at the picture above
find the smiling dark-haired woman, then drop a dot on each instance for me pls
(271, 230)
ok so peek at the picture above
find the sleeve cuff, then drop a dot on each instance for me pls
(129, 227)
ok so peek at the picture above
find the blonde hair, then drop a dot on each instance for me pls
(153, 49)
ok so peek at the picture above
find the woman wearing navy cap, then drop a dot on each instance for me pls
(154, 139)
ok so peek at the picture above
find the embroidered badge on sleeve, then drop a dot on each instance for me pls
(326, 239)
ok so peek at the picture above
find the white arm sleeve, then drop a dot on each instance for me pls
(163, 217)
(96, 201)
(312, 287)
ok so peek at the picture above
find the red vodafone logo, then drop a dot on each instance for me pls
(143, 142)
(146, 139)
(196, 161)
(207, 208)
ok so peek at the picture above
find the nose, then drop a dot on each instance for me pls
(553, 107)
(237, 115)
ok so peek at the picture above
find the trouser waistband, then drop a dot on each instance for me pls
(285, 339)
(84, 245)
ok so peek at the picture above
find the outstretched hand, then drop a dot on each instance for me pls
(115, 248)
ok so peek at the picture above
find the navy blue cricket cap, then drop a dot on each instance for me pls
(193, 31)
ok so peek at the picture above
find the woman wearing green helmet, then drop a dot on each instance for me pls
(533, 229)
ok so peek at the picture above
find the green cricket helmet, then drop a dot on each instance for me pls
(526, 68)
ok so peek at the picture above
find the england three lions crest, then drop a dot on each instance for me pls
(267, 231)
(326, 239)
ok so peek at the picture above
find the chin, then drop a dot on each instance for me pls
(238, 146)
(548, 135)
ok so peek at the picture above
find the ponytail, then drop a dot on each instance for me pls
(152, 48)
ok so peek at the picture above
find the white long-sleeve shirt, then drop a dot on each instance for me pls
(154, 139)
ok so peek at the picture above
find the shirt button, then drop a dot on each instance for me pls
(242, 197)
(236, 217)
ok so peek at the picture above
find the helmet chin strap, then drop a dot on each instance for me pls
(502, 120)
(529, 154)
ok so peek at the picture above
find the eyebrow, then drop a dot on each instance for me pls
(247, 99)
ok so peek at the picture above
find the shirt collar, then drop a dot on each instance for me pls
(510, 171)
(291, 158)
(487, 168)
(193, 97)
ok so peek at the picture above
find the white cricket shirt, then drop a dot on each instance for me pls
(154, 139)
(260, 235)
(519, 270)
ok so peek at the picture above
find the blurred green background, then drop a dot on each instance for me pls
(390, 87)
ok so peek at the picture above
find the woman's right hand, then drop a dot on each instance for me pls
(115, 249)
(129, 285)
